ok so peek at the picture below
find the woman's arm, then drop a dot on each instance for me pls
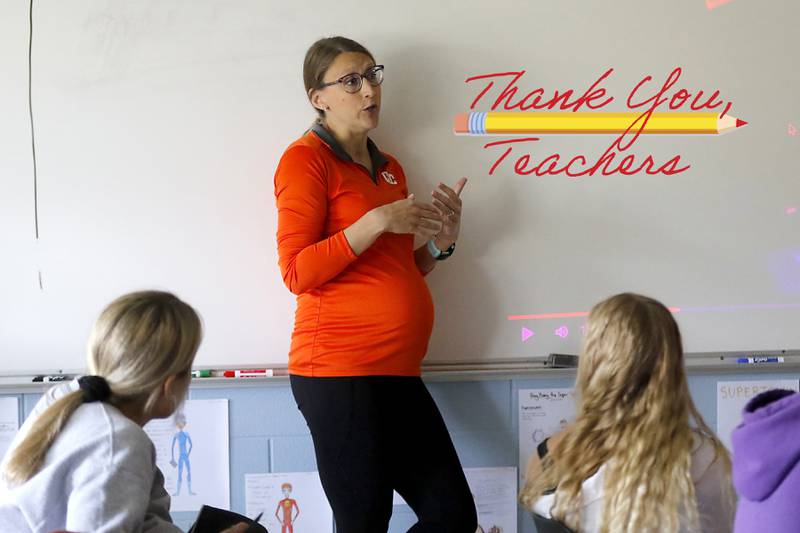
(401, 216)
(308, 260)
(424, 260)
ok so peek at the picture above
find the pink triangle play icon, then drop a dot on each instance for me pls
(526, 334)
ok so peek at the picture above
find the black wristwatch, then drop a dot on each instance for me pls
(440, 255)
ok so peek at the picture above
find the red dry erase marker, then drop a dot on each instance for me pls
(250, 373)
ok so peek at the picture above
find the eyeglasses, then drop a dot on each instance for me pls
(351, 83)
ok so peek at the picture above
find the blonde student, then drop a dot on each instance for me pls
(639, 456)
(81, 461)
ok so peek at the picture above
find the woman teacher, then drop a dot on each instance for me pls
(346, 227)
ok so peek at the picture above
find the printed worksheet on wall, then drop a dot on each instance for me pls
(9, 422)
(495, 494)
(542, 412)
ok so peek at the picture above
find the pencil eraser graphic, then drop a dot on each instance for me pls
(461, 124)
(791, 210)
(792, 130)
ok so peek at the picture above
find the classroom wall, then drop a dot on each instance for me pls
(268, 434)
(158, 127)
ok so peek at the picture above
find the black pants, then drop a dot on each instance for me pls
(373, 434)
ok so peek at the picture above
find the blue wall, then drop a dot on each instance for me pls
(268, 434)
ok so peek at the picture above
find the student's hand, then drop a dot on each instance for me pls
(409, 216)
(241, 527)
(448, 202)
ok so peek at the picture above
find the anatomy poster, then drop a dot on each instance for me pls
(192, 451)
(290, 502)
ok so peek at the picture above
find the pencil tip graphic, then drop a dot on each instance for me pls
(740, 123)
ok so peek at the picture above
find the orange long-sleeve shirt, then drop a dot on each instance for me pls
(356, 315)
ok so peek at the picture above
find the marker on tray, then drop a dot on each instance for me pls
(759, 360)
(55, 378)
(249, 373)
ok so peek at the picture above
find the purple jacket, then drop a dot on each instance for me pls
(766, 464)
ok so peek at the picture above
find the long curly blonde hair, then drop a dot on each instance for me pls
(634, 413)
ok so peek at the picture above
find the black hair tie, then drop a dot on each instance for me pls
(94, 388)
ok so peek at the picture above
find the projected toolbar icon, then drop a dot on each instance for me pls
(562, 332)
(526, 334)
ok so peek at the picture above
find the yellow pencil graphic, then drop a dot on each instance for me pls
(524, 123)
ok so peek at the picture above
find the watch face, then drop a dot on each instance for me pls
(446, 253)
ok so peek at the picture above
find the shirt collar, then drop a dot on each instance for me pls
(375, 155)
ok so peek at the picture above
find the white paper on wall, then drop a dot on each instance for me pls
(542, 412)
(9, 422)
(495, 494)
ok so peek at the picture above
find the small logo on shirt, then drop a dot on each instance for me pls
(387, 176)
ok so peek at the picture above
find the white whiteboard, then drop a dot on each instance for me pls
(159, 126)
